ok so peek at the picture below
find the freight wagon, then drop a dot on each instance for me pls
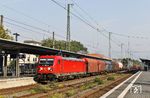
(94, 66)
(116, 66)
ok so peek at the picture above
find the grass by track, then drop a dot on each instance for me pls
(71, 88)
(89, 89)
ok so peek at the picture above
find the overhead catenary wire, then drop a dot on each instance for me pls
(36, 39)
(81, 15)
(39, 20)
(37, 28)
(115, 41)
(29, 17)
(22, 27)
(93, 27)
(36, 32)
(23, 36)
(74, 15)
(138, 37)
(81, 19)
(94, 22)
(27, 28)
(27, 25)
(85, 12)
(123, 35)
(97, 29)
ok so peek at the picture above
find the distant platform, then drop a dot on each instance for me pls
(16, 82)
(137, 86)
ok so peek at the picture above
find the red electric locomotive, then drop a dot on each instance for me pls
(58, 67)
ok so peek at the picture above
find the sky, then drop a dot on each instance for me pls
(121, 17)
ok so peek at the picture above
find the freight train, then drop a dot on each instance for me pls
(60, 68)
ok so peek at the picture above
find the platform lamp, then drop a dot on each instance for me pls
(16, 36)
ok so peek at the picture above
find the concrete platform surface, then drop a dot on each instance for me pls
(144, 82)
(137, 86)
(16, 82)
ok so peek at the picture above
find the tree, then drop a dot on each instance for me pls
(126, 61)
(78, 47)
(4, 33)
(61, 44)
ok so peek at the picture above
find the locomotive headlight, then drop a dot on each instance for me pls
(50, 69)
(41, 68)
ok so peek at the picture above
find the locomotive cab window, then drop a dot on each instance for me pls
(46, 62)
(50, 61)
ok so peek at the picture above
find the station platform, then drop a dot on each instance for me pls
(136, 86)
(16, 82)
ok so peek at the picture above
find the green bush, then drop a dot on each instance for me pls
(86, 86)
(40, 88)
(33, 91)
(60, 85)
(83, 87)
(52, 85)
(98, 80)
(90, 85)
(70, 93)
(1, 96)
(105, 73)
(58, 95)
(110, 78)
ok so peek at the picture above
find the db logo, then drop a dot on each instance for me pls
(136, 89)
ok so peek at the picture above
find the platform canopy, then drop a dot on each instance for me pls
(11, 47)
(145, 61)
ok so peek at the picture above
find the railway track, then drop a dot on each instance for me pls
(99, 91)
(17, 91)
(64, 88)
(68, 86)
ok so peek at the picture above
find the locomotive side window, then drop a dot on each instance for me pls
(46, 62)
(50, 62)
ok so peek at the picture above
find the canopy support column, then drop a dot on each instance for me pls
(5, 65)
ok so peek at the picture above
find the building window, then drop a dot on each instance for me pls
(28, 59)
(35, 59)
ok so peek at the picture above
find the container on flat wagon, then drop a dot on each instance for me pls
(120, 65)
(115, 66)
